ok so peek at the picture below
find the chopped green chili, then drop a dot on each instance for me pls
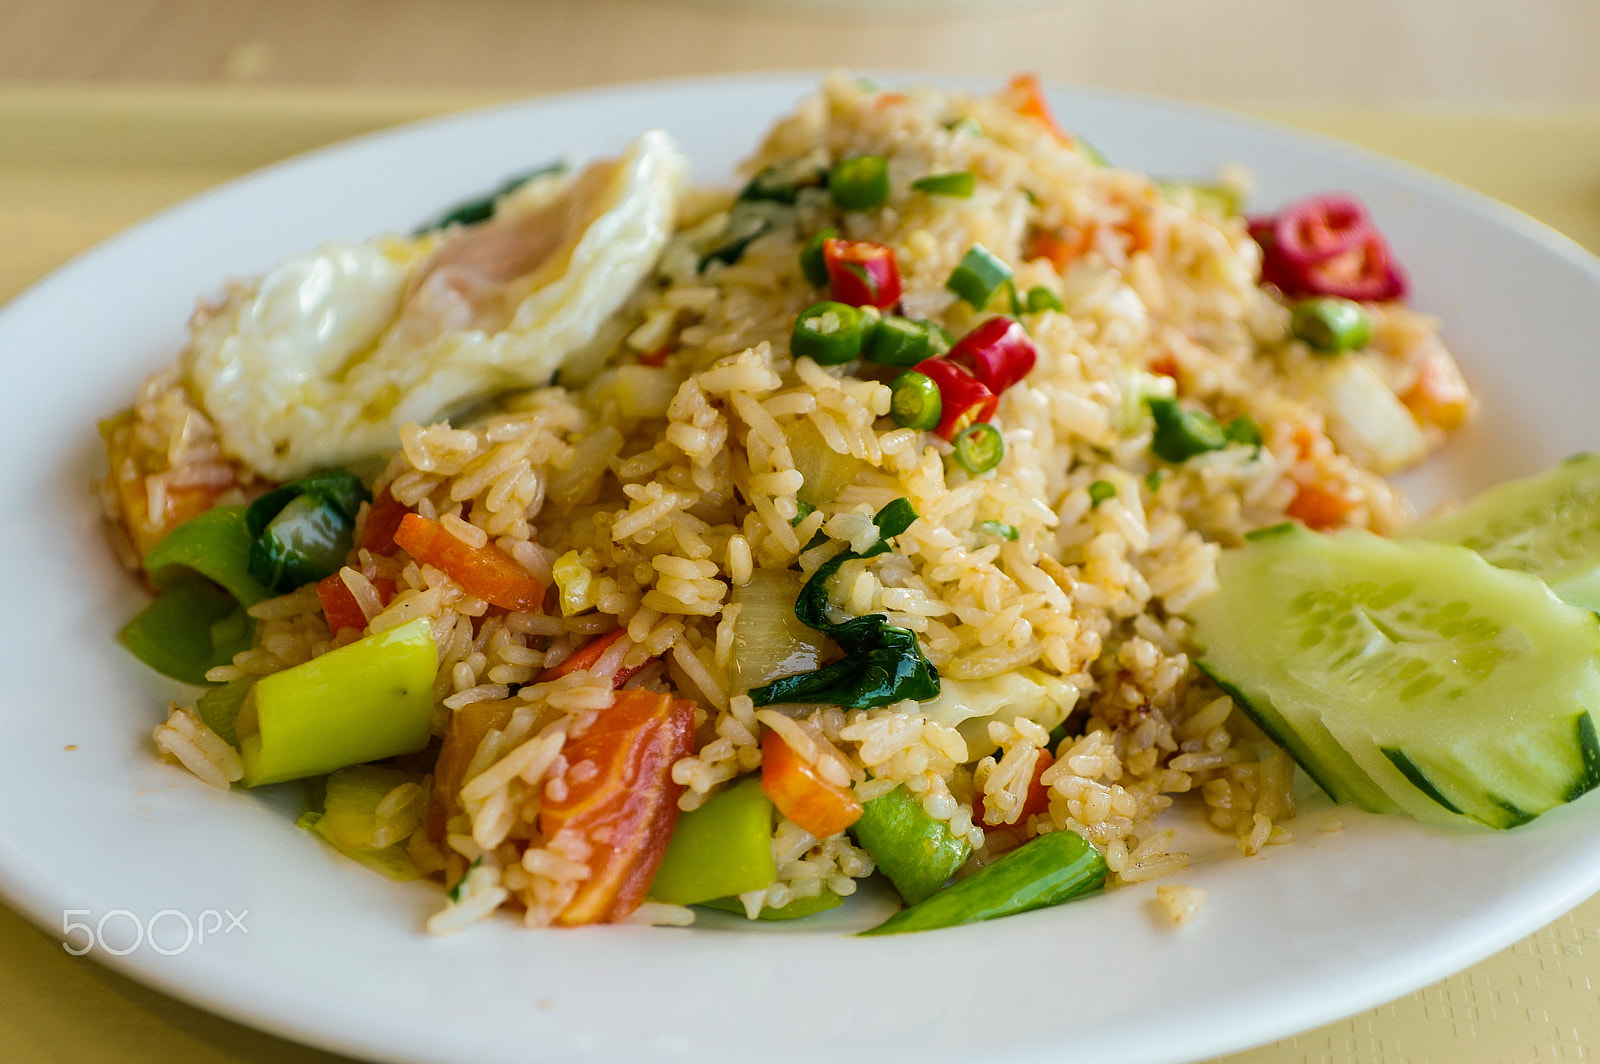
(830, 333)
(813, 266)
(1040, 298)
(978, 276)
(900, 341)
(979, 447)
(1100, 491)
(859, 183)
(1330, 324)
(998, 529)
(1181, 434)
(958, 184)
(1243, 429)
(914, 401)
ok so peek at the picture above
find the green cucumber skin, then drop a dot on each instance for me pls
(1043, 871)
(1340, 779)
(1547, 524)
(1589, 742)
(1452, 685)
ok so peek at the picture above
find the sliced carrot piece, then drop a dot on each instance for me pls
(462, 737)
(1027, 97)
(798, 790)
(620, 798)
(1318, 508)
(1439, 396)
(1060, 248)
(487, 571)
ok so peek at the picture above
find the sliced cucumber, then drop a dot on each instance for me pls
(1409, 674)
(1547, 525)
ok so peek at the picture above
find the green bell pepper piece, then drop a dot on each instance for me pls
(215, 544)
(797, 908)
(190, 627)
(722, 848)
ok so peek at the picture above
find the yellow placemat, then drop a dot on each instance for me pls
(82, 164)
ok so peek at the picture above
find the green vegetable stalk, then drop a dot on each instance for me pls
(1043, 871)
(914, 850)
(721, 849)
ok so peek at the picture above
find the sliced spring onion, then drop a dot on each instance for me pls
(979, 447)
(914, 401)
(859, 183)
(1100, 491)
(782, 182)
(958, 184)
(830, 333)
(978, 276)
(1040, 298)
(900, 341)
(999, 529)
(813, 265)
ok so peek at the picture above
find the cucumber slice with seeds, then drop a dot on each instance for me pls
(1547, 525)
(1409, 674)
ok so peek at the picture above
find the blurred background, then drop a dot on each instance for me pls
(1495, 53)
(113, 109)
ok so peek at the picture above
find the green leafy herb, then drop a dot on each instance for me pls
(481, 208)
(883, 663)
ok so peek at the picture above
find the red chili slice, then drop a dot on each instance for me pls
(964, 399)
(999, 353)
(1366, 272)
(862, 273)
(1317, 229)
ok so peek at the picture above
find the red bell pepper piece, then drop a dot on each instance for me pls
(861, 273)
(964, 399)
(999, 352)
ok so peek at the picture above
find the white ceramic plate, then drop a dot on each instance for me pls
(94, 832)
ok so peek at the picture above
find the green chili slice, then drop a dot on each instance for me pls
(830, 333)
(1040, 298)
(978, 276)
(998, 529)
(1330, 324)
(914, 401)
(813, 266)
(979, 447)
(898, 341)
(1100, 491)
(1181, 434)
(859, 183)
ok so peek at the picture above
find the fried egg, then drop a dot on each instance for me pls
(322, 360)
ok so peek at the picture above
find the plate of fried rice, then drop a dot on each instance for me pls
(546, 580)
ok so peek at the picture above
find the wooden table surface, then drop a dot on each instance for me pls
(1494, 53)
(1501, 94)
